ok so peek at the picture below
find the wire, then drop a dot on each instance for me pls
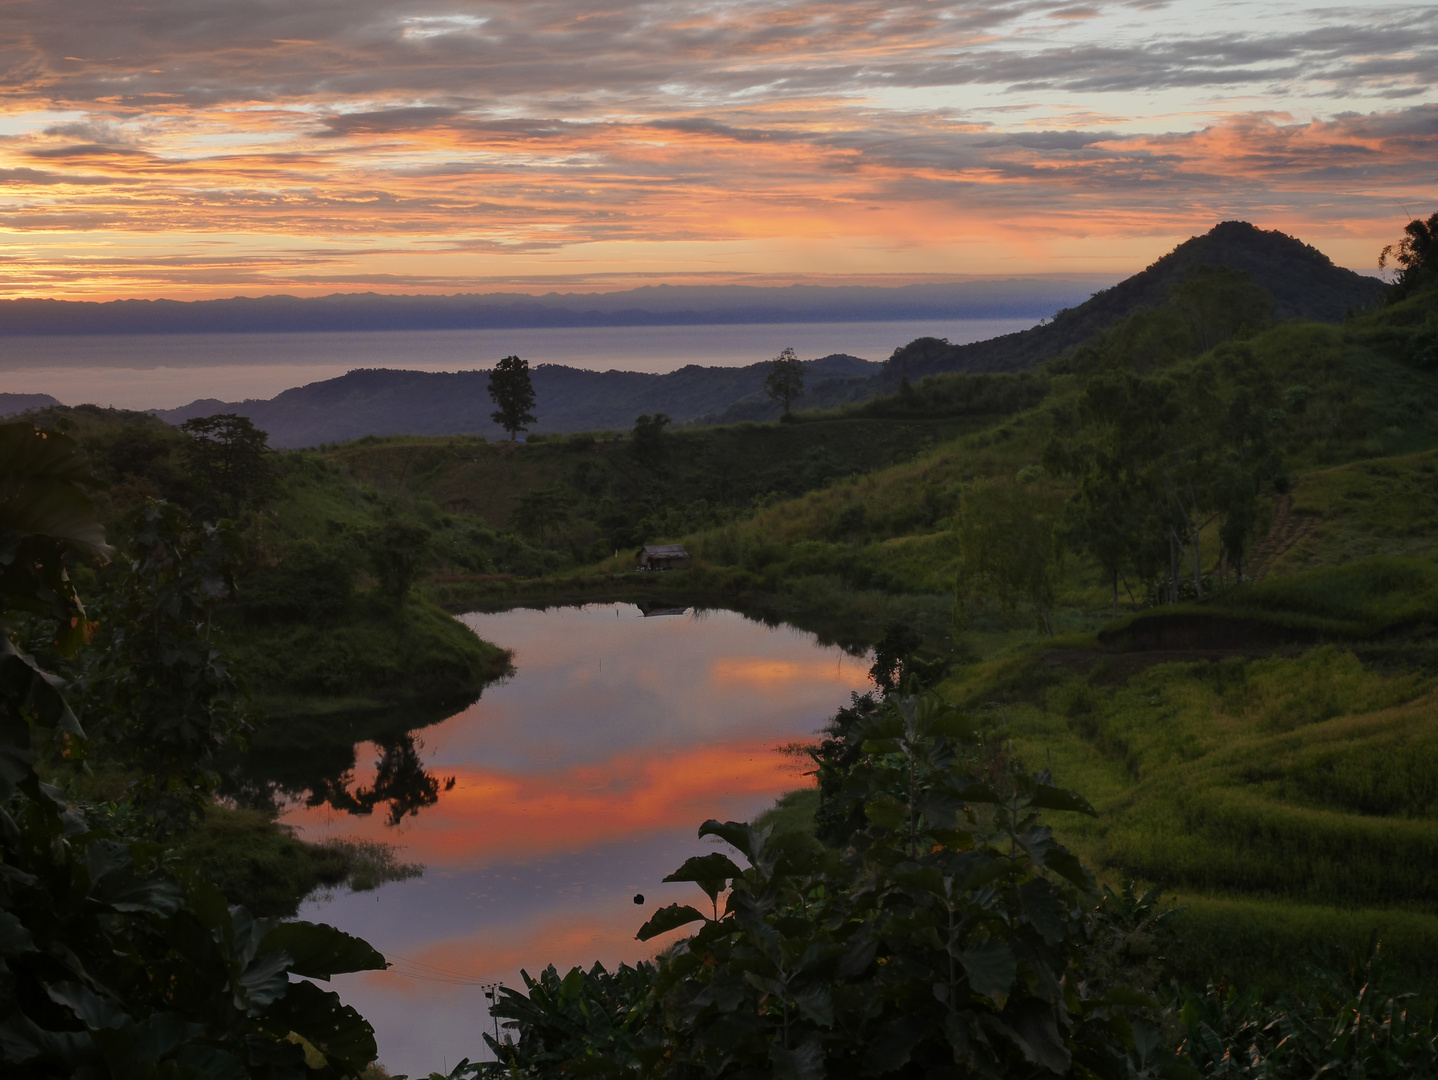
(410, 968)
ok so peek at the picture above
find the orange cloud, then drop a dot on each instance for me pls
(262, 148)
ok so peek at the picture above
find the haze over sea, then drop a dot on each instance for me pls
(159, 371)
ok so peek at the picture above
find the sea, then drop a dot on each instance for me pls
(161, 371)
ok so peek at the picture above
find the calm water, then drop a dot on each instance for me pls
(579, 782)
(161, 371)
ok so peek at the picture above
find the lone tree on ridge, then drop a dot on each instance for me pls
(513, 394)
(785, 381)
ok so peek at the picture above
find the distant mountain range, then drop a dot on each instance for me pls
(651, 305)
(379, 401)
(1303, 281)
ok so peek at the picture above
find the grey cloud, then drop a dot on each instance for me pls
(28, 177)
(638, 51)
(84, 150)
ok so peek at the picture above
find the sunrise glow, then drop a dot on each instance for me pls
(447, 146)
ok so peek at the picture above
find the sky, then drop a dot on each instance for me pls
(199, 148)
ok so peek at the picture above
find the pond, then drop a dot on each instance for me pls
(576, 784)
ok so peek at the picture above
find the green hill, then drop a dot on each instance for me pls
(1303, 282)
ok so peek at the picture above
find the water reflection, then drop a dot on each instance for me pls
(401, 783)
(577, 783)
(314, 760)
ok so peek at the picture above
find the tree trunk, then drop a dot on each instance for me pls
(1115, 594)
(1173, 562)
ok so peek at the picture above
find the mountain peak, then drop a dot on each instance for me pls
(1304, 283)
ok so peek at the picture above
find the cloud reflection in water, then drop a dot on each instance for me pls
(579, 782)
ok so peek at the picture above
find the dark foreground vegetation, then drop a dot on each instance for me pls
(1149, 793)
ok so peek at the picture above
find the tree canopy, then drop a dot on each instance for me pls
(785, 381)
(513, 395)
(227, 459)
(1416, 254)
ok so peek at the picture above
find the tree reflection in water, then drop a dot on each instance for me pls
(400, 780)
(313, 758)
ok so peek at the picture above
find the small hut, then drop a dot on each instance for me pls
(663, 557)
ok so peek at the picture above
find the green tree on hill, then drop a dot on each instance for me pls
(1217, 303)
(227, 458)
(1416, 255)
(513, 395)
(649, 437)
(1008, 548)
(113, 965)
(785, 381)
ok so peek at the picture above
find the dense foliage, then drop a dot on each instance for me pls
(949, 932)
(112, 963)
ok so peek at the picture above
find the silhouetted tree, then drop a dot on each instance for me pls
(1416, 255)
(513, 395)
(785, 382)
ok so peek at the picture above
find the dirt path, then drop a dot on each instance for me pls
(1288, 529)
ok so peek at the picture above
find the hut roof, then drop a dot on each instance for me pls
(670, 551)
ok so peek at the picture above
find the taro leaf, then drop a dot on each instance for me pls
(887, 812)
(116, 882)
(709, 872)
(804, 1062)
(736, 834)
(197, 1059)
(974, 791)
(1044, 908)
(34, 691)
(861, 951)
(21, 1040)
(94, 1011)
(668, 918)
(15, 763)
(814, 1002)
(1146, 1039)
(991, 968)
(41, 494)
(319, 950)
(159, 1033)
(1066, 863)
(14, 936)
(264, 980)
(1035, 1029)
(335, 1029)
(954, 839)
(1048, 797)
(890, 1051)
(130, 892)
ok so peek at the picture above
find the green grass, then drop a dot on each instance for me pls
(1290, 801)
(1373, 598)
(263, 866)
(372, 655)
(1383, 506)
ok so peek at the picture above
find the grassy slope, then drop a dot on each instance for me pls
(1286, 794)
(370, 655)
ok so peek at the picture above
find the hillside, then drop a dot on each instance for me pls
(14, 404)
(1303, 282)
(1300, 280)
(1267, 753)
(387, 402)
